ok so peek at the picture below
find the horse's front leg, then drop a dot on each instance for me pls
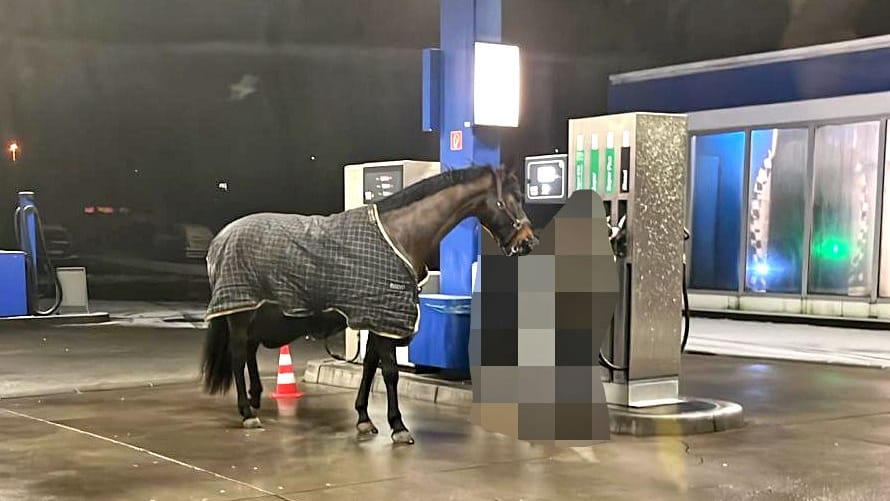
(369, 370)
(386, 350)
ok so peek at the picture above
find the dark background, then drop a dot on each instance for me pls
(127, 103)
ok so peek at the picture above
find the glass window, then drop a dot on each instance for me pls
(845, 167)
(718, 178)
(884, 281)
(776, 191)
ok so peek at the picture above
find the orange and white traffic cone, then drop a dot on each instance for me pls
(287, 383)
(287, 393)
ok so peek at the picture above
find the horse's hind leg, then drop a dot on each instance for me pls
(256, 386)
(369, 369)
(386, 350)
(238, 347)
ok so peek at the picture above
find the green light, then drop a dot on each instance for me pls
(832, 248)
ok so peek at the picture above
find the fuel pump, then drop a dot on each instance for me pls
(637, 163)
(546, 179)
(29, 231)
(618, 240)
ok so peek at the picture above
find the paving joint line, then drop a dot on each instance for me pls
(838, 418)
(792, 424)
(866, 441)
(150, 453)
(432, 472)
(477, 466)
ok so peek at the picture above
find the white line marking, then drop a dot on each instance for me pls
(145, 451)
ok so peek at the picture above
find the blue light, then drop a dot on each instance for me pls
(765, 269)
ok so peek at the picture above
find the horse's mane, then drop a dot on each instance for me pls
(426, 187)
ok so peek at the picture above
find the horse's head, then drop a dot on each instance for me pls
(502, 215)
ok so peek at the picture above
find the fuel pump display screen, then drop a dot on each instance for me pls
(546, 179)
(381, 182)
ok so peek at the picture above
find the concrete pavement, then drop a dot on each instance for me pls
(813, 433)
(50, 360)
(739, 338)
(803, 343)
(160, 314)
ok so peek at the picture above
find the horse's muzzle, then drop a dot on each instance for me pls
(524, 247)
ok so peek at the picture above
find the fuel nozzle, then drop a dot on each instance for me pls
(618, 237)
(686, 236)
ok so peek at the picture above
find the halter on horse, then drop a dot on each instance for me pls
(250, 306)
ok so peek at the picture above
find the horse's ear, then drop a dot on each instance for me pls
(512, 169)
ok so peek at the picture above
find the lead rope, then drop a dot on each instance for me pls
(358, 346)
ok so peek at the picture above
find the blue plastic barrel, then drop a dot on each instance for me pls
(443, 337)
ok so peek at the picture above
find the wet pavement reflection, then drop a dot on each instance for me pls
(813, 432)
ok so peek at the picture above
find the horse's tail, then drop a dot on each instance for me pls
(217, 362)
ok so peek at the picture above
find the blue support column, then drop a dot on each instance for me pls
(463, 23)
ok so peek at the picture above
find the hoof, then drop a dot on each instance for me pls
(251, 423)
(366, 428)
(403, 437)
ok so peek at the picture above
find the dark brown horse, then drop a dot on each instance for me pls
(415, 220)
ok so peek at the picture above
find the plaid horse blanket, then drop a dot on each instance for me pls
(344, 262)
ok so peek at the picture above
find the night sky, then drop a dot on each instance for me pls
(129, 103)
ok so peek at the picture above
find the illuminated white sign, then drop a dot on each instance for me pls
(496, 85)
(545, 178)
(547, 174)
